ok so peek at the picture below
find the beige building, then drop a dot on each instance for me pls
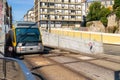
(30, 16)
(63, 13)
(58, 13)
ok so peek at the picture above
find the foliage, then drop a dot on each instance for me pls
(117, 12)
(104, 21)
(103, 16)
(94, 11)
(116, 8)
(104, 12)
(116, 4)
(98, 12)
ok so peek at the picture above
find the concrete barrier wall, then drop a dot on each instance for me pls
(96, 36)
(78, 44)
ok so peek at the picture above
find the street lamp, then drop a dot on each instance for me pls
(49, 22)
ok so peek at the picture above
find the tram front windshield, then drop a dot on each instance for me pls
(28, 35)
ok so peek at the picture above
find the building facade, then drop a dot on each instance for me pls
(5, 22)
(30, 16)
(63, 13)
(58, 13)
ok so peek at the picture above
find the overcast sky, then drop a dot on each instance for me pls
(20, 8)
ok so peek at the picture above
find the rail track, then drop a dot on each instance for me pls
(59, 64)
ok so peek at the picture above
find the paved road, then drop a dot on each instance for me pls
(112, 49)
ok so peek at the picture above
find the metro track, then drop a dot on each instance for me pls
(64, 59)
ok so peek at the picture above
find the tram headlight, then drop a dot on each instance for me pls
(39, 45)
(19, 44)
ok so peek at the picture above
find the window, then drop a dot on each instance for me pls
(45, 3)
(40, 4)
(63, 18)
(72, 16)
(69, 0)
(72, 11)
(43, 10)
(51, 4)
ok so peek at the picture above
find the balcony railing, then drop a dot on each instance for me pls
(51, 7)
(52, 18)
(58, 1)
(52, 13)
(50, 0)
(43, 6)
(78, 19)
(59, 19)
(66, 2)
(44, 0)
(44, 12)
(44, 19)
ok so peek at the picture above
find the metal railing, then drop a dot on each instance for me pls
(13, 69)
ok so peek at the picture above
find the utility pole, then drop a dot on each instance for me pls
(49, 22)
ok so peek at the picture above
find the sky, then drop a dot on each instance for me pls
(20, 8)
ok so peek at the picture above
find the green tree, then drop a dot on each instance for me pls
(103, 15)
(117, 12)
(104, 20)
(104, 12)
(116, 8)
(94, 11)
(98, 12)
(116, 4)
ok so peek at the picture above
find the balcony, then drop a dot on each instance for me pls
(51, 13)
(66, 2)
(50, 0)
(65, 19)
(51, 7)
(78, 14)
(44, 0)
(43, 6)
(73, 8)
(59, 19)
(58, 1)
(43, 12)
(65, 7)
(58, 13)
(72, 3)
(78, 19)
(44, 18)
(72, 14)
(78, 8)
(52, 18)
(71, 19)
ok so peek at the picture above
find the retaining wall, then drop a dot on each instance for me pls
(78, 44)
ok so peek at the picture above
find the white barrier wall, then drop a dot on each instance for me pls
(81, 45)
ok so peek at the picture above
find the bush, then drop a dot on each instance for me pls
(104, 21)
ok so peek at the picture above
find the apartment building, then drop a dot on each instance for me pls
(30, 16)
(5, 22)
(58, 13)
